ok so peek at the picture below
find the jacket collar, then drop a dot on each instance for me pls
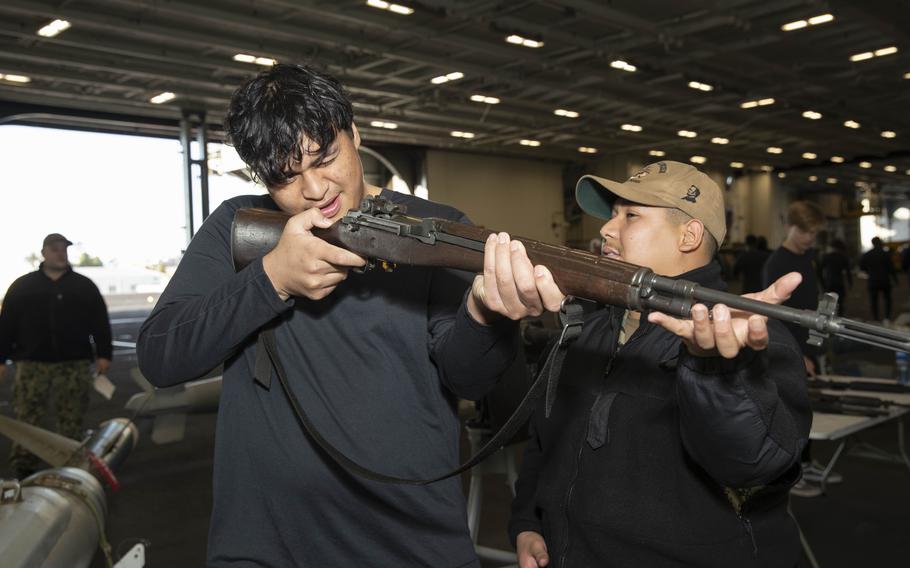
(708, 275)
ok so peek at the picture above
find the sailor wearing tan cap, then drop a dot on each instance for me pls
(671, 442)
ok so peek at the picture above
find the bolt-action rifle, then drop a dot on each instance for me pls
(381, 232)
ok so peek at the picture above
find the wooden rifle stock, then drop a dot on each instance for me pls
(255, 232)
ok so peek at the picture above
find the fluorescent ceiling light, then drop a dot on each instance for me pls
(797, 25)
(821, 19)
(865, 165)
(781, 175)
(247, 58)
(523, 41)
(737, 165)
(532, 143)
(485, 99)
(890, 50)
(394, 8)
(163, 98)
(687, 134)
(906, 75)
(454, 76)
(775, 150)
(851, 124)
(837, 159)
(810, 155)
(719, 140)
(460, 134)
(757, 103)
(383, 124)
(587, 150)
(885, 51)
(700, 86)
(266, 61)
(890, 169)
(566, 113)
(631, 127)
(21, 79)
(767, 168)
(831, 180)
(698, 159)
(657, 153)
(862, 56)
(623, 66)
(812, 115)
(888, 134)
(54, 28)
(813, 178)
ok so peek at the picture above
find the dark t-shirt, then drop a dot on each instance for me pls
(377, 365)
(835, 271)
(783, 261)
(877, 264)
(749, 266)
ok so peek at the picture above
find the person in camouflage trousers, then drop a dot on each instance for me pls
(53, 324)
(67, 384)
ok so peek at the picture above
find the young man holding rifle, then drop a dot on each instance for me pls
(671, 442)
(377, 361)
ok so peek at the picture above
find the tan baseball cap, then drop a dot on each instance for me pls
(55, 237)
(661, 184)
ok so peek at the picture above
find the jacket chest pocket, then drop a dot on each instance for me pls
(638, 388)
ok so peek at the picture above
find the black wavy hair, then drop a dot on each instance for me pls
(271, 113)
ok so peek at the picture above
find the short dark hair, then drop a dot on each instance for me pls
(271, 113)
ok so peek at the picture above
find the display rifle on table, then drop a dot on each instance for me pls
(896, 388)
(381, 232)
(850, 404)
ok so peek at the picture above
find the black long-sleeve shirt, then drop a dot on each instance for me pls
(54, 320)
(377, 366)
(633, 466)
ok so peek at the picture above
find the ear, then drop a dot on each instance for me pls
(692, 235)
(356, 135)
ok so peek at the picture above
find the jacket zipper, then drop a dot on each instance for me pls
(744, 521)
(565, 541)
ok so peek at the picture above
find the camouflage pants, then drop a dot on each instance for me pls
(39, 386)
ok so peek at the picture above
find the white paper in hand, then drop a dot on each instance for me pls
(104, 386)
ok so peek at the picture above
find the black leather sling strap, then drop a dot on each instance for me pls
(571, 316)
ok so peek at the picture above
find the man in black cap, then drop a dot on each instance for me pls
(50, 318)
(671, 442)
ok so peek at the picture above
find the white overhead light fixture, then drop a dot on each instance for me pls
(737, 165)
(383, 124)
(54, 28)
(623, 66)
(812, 115)
(837, 159)
(781, 175)
(832, 181)
(587, 150)
(687, 134)
(810, 155)
(775, 150)
(813, 21)
(532, 143)
(247, 58)
(698, 159)
(851, 124)
(523, 41)
(906, 75)
(394, 8)
(813, 178)
(720, 140)
(907, 172)
(890, 50)
(890, 169)
(657, 153)
(865, 165)
(454, 76)
(485, 99)
(566, 113)
(21, 79)
(162, 98)
(888, 134)
(700, 86)
(631, 127)
(757, 103)
(766, 168)
(460, 134)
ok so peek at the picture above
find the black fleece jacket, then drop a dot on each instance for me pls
(54, 320)
(634, 464)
